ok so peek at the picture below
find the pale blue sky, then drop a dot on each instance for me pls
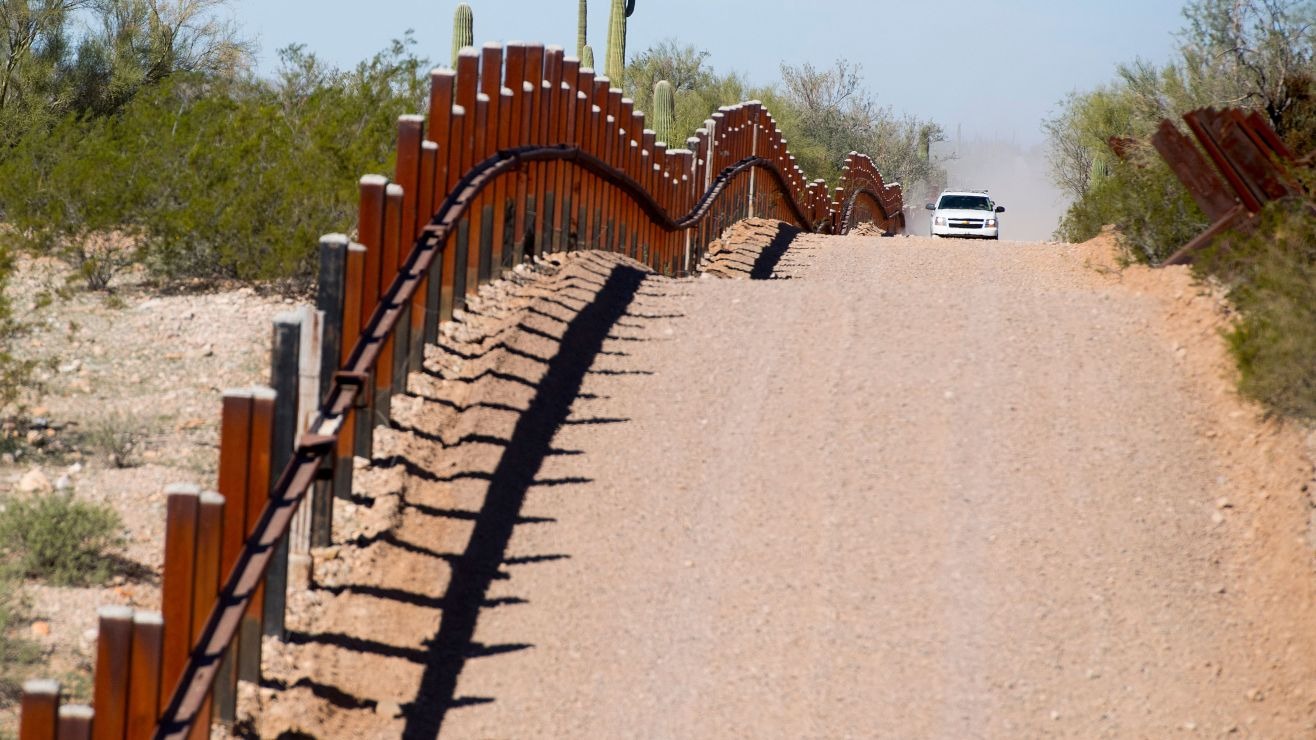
(996, 68)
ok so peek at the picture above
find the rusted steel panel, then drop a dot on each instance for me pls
(1204, 125)
(1203, 184)
(1235, 219)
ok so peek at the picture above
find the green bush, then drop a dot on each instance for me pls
(1154, 213)
(212, 178)
(1272, 277)
(14, 373)
(59, 540)
(17, 654)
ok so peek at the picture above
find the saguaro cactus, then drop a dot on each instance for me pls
(664, 111)
(587, 57)
(582, 30)
(463, 30)
(621, 10)
(1099, 171)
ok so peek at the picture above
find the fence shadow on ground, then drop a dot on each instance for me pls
(757, 255)
(530, 443)
(492, 413)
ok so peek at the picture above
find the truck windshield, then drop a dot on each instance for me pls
(965, 203)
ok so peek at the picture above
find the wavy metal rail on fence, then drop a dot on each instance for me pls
(522, 153)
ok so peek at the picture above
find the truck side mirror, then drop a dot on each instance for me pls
(931, 207)
(1000, 209)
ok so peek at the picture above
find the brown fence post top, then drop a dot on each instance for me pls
(375, 181)
(41, 687)
(75, 722)
(115, 612)
(183, 489)
(335, 239)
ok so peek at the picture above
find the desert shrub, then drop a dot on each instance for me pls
(1154, 213)
(210, 177)
(14, 373)
(59, 540)
(824, 112)
(116, 436)
(1271, 273)
(17, 654)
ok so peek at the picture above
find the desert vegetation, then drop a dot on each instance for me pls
(1255, 54)
(149, 143)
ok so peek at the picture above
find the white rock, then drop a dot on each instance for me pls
(63, 483)
(34, 481)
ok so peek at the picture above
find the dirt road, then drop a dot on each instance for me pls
(905, 489)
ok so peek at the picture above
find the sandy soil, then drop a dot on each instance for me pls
(894, 487)
(150, 368)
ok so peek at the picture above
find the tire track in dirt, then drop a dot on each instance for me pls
(923, 489)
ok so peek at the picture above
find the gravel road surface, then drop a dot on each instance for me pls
(904, 488)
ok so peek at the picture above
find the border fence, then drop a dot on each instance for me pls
(522, 153)
(1252, 168)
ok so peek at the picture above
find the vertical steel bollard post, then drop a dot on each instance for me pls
(39, 717)
(114, 644)
(330, 300)
(285, 379)
(514, 77)
(480, 236)
(411, 132)
(547, 175)
(233, 484)
(182, 507)
(388, 268)
(393, 355)
(467, 95)
(531, 114)
(491, 84)
(370, 227)
(427, 291)
(310, 512)
(452, 276)
(258, 494)
(144, 674)
(440, 128)
(77, 722)
(560, 119)
(353, 286)
(209, 549)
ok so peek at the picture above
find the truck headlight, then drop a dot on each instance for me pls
(939, 220)
(991, 223)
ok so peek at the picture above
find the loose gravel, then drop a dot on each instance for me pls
(899, 487)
